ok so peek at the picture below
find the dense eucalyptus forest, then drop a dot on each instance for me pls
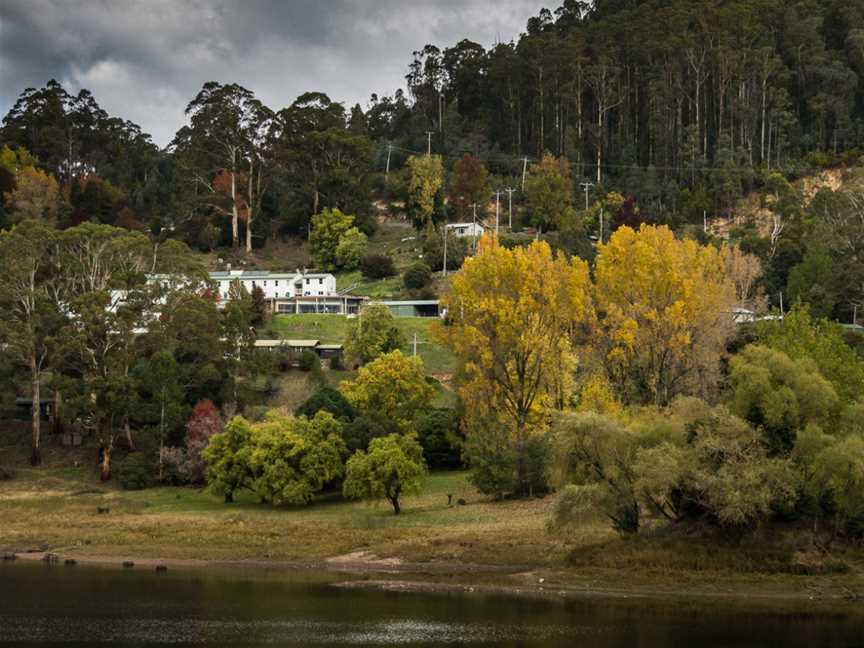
(676, 108)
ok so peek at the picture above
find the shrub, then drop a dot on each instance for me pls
(438, 433)
(494, 468)
(377, 266)
(309, 360)
(417, 276)
(366, 427)
(433, 251)
(136, 472)
(326, 399)
(187, 465)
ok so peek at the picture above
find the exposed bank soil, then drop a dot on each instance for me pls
(367, 570)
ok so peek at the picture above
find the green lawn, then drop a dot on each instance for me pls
(331, 329)
(56, 509)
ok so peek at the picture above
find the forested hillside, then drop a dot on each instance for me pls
(671, 112)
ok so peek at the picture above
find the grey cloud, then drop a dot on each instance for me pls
(144, 60)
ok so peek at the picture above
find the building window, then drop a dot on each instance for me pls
(265, 282)
(277, 282)
(307, 281)
(320, 281)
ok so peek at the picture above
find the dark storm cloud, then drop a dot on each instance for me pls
(145, 60)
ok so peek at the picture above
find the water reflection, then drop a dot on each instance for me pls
(84, 606)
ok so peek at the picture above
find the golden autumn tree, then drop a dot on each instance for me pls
(513, 319)
(665, 311)
(424, 182)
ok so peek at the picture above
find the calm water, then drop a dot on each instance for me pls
(85, 606)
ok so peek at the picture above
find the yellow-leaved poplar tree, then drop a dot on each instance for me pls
(665, 311)
(513, 318)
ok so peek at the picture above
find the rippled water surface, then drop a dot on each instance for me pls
(85, 606)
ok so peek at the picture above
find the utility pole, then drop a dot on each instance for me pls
(415, 344)
(586, 186)
(510, 206)
(782, 314)
(444, 269)
(524, 170)
(704, 221)
(387, 171)
(497, 198)
(429, 142)
(474, 227)
(601, 227)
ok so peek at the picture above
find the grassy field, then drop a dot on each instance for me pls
(331, 329)
(54, 508)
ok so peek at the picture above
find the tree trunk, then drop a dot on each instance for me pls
(249, 206)
(128, 430)
(36, 441)
(395, 502)
(235, 234)
(229, 498)
(105, 466)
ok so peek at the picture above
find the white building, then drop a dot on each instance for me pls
(276, 285)
(290, 292)
(466, 229)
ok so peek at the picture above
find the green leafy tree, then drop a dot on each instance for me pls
(426, 178)
(31, 317)
(813, 282)
(394, 385)
(373, 333)
(327, 399)
(549, 193)
(367, 426)
(224, 154)
(163, 399)
(838, 473)
(294, 458)
(351, 249)
(328, 228)
(799, 335)
(779, 395)
(228, 456)
(105, 291)
(392, 467)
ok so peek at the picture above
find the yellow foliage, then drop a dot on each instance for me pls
(598, 395)
(513, 319)
(393, 385)
(666, 311)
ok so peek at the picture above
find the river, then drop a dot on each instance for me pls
(43, 605)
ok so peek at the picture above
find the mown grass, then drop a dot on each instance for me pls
(331, 329)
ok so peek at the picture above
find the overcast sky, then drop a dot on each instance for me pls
(145, 59)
